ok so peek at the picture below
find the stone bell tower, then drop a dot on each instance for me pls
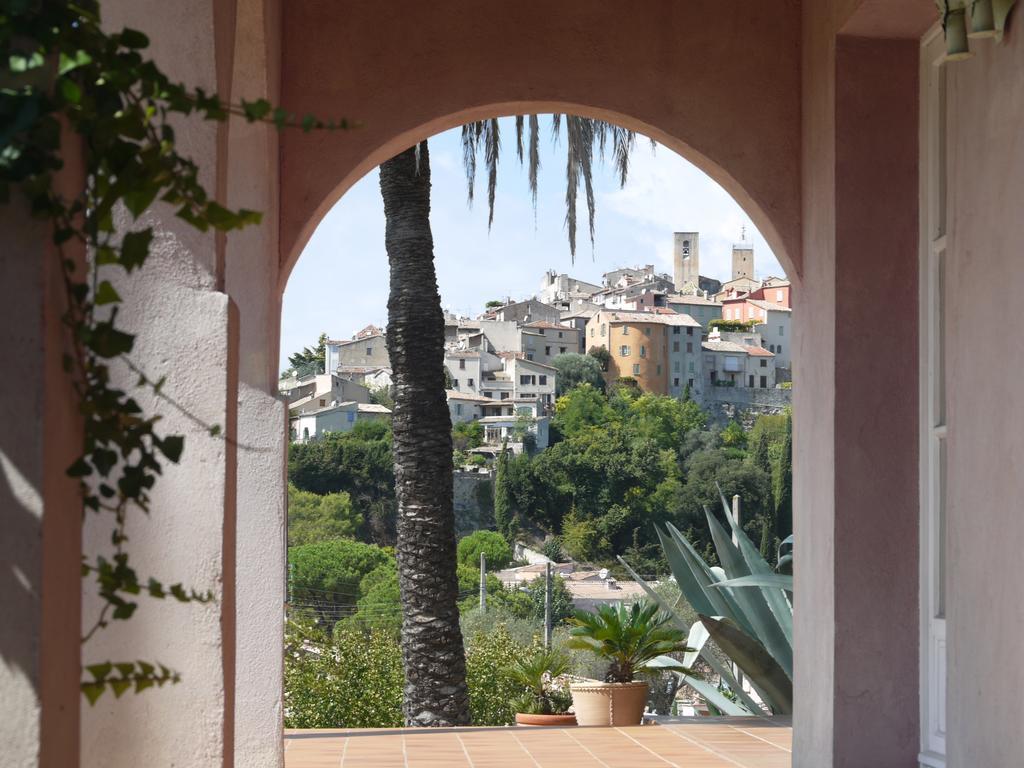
(743, 258)
(686, 260)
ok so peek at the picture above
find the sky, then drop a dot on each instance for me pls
(340, 283)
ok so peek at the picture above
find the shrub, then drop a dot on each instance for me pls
(493, 689)
(491, 544)
(354, 681)
(327, 575)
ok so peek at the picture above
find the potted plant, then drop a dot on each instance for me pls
(627, 638)
(547, 698)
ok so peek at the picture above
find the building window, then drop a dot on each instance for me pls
(690, 367)
(504, 395)
(675, 382)
(562, 349)
(636, 369)
(305, 433)
(369, 350)
(625, 330)
(624, 350)
(782, 330)
(689, 346)
(541, 331)
(643, 351)
(647, 331)
(771, 348)
(455, 383)
(764, 363)
(462, 365)
(778, 296)
(529, 355)
(489, 395)
(469, 382)
(323, 402)
(603, 329)
(764, 382)
(778, 349)
(750, 381)
(675, 330)
(591, 332)
(458, 409)
(547, 351)
(675, 366)
(351, 416)
(675, 346)
(689, 383)
(543, 380)
(559, 334)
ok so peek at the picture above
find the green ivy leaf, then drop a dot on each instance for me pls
(93, 691)
(119, 686)
(105, 294)
(132, 38)
(99, 672)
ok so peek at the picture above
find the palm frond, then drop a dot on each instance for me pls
(492, 151)
(534, 160)
(519, 138)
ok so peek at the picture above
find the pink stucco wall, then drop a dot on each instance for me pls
(679, 72)
(830, 167)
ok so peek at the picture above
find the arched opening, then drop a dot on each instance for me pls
(750, 381)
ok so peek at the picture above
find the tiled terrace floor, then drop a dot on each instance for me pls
(686, 743)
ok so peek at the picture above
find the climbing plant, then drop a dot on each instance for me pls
(67, 84)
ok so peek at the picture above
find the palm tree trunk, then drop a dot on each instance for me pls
(432, 652)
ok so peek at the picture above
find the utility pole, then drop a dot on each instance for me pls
(483, 582)
(547, 604)
(736, 517)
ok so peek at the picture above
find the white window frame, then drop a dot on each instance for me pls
(932, 405)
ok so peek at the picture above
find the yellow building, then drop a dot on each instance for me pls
(638, 343)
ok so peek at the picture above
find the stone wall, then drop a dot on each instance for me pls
(474, 501)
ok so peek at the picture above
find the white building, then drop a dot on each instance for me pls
(543, 341)
(737, 360)
(320, 390)
(774, 328)
(562, 290)
(314, 424)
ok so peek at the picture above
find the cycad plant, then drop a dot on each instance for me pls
(627, 638)
(539, 673)
(744, 606)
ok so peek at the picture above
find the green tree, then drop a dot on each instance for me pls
(504, 514)
(490, 544)
(379, 608)
(561, 600)
(382, 396)
(782, 485)
(575, 369)
(663, 419)
(734, 436)
(467, 434)
(581, 408)
(309, 359)
(313, 517)
(325, 577)
(602, 355)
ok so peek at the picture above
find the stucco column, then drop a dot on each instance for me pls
(41, 523)
(875, 693)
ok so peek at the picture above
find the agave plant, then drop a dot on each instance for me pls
(744, 606)
(628, 638)
(539, 673)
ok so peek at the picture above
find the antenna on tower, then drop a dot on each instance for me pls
(743, 233)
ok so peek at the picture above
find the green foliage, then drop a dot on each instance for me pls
(309, 359)
(504, 512)
(379, 608)
(68, 81)
(738, 326)
(782, 484)
(326, 577)
(602, 355)
(538, 673)
(627, 638)
(353, 680)
(313, 517)
(575, 369)
(489, 543)
(747, 614)
(358, 463)
(467, 434)
(494, 303)
(734, 436)
(561, 600)
(580, 408)
(552, 549)
(382, 396)
(493, 688)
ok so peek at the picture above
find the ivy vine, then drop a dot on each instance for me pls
(66, 80)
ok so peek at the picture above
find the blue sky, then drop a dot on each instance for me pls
(340, 283)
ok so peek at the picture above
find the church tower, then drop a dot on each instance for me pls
(743, 258)
(686, 260)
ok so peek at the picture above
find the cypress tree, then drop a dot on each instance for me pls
(783, 485)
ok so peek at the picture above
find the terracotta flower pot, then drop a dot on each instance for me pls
(549, 720)
(609, 703)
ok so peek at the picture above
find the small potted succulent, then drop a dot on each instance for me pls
(547, 698)
(627, 638)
